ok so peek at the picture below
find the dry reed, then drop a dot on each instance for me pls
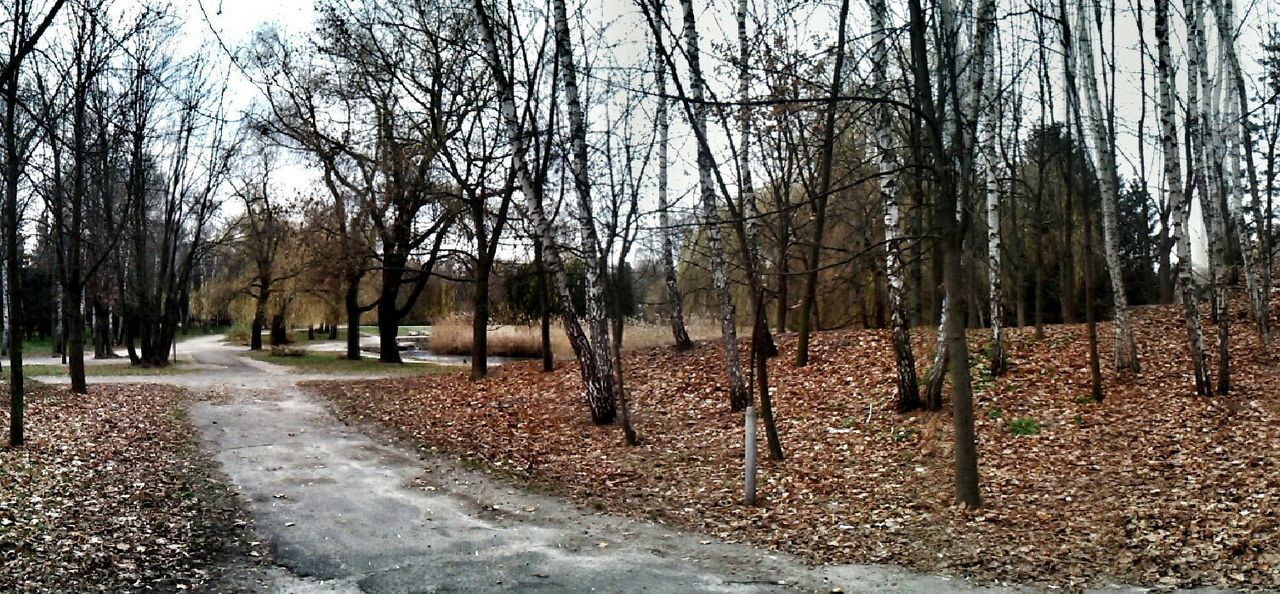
(453, 337)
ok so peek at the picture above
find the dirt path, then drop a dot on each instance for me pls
(344, 511)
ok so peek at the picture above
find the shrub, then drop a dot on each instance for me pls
(453, 337)
(238, 334)
(288, 351)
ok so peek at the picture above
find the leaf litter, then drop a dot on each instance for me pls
(111, 493)
(1153, 486)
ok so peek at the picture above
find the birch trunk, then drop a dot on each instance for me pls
(738, 397)
(675, 299)
(908, 384)
(1259, 288)
(1126, 352)
(594, 260)
(595, 376)
(1203, 141)
(988, 120)
(1179, 204)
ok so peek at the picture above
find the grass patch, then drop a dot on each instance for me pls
(333, 363)
(1024, 426)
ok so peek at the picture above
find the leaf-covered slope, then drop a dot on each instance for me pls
(1151, 486)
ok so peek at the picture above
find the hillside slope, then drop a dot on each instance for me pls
(1152, 486)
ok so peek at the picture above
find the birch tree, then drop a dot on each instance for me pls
(1126, 352)
(989, 119)
(592, 356)
(1259, 286)
(675, 299)
(1179, 204)
(904, 358)
(738, 397)
(1202, 146)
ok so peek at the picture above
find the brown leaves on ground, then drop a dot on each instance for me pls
(108, 494)
(1152, 486)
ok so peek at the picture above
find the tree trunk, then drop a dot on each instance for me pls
(1179, 205)
(808, 301)
(904, 358)
(544, 310)
(1259, 288)
(480, 317)
(351, 302)
(988, 119)
(675, 299)
(738, 396)
(1126, 351)
(597, 381)
(255, 329)
(1204, 149)
(13, 258)
(596, 314)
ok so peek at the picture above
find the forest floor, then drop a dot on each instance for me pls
(1153, 486)
(111, 493)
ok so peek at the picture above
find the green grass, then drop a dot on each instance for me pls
(103, 370)
(295, 336)
(334, 363)
(404, 330)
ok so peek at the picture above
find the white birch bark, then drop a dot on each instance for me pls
(711, 216)
(594, 260)
(904, 358)
(1237, 122)
(4, 308)
(987, 122)
(1126, 352)
(596, 380)
(747, 190)
(675, 298)
(1204, 150)
(991, 165)
(1179, 204)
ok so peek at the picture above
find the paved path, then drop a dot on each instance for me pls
(344, 511)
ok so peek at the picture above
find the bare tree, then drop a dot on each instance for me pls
(904, 358)
(26, 27)
(596, 375)
(1179, 204)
